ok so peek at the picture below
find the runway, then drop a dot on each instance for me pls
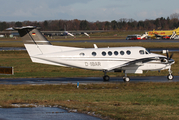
(87, 80)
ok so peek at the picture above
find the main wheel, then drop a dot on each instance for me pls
(170, 77)
(126, 79)
(106, 78)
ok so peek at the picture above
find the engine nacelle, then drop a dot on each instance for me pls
(164, 60)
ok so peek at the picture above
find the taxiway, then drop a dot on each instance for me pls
(87, 80)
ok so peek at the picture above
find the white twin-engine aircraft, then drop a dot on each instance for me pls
(117, 59)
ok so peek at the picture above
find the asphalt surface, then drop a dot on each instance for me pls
(87, 80)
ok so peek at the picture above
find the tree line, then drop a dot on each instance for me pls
(162, 23)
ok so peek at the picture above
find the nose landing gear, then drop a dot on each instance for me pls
(170, 76)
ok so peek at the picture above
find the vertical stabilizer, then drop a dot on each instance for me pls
(33, 39)
(176, 29)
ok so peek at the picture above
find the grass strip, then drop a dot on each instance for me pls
(116, 101)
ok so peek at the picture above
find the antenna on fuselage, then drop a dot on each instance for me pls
(95, 46)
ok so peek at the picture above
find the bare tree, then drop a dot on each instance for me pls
(174, 16)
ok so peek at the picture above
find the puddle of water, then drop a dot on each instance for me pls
(41, 113)
(11, 48)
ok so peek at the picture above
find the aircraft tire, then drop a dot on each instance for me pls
(106, 78)
(170, 77)
(126, 79)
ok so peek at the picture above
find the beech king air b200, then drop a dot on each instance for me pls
(117, 59)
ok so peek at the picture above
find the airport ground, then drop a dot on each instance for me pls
(112, 100)
(141, 101)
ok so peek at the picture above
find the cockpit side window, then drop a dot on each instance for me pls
(141, 52)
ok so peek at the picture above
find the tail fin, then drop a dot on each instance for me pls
(177, 29)
(30, 35)
(33, 39)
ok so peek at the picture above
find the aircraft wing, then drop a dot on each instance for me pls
(137, 62)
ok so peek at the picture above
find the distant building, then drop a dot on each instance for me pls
(14, 35)
(1, 36)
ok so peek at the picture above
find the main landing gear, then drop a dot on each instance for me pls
(106, 77)
(125, 78)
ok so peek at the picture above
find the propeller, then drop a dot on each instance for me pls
(169, 58)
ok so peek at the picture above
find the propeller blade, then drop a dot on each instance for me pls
(167, 53)
(171, 56)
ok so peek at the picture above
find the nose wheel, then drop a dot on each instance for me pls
(170, 77)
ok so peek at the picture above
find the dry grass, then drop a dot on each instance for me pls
(117, 101)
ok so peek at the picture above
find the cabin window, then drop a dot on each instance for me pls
(109, 53)
(128, 52)
(82, 54)
(141, 52)
(122, 52)
(94, 53)
(116, 53)
(104, 53)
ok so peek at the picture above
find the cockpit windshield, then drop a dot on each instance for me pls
(147, 52)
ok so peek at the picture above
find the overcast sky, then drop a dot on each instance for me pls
(90, 10)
